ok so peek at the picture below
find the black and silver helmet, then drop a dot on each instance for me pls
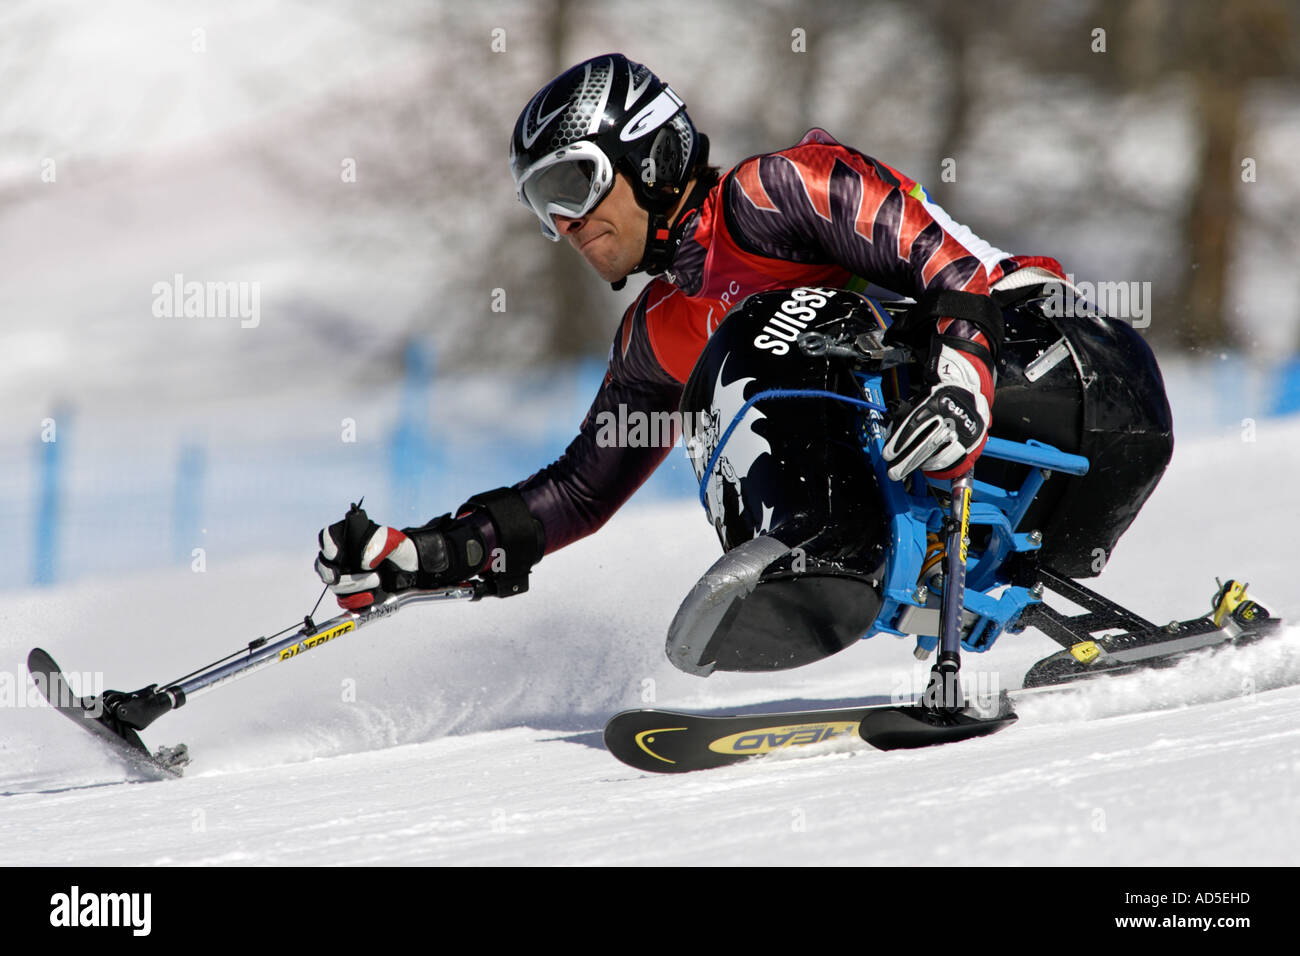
(604, 114)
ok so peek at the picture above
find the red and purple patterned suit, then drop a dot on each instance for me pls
(818, 213)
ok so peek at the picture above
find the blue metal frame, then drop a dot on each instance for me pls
(913, 513)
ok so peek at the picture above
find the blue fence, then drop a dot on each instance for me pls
(103, 494)
(106, 495)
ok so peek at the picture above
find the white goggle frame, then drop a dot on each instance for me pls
(547, 209)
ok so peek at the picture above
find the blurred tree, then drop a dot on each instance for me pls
(1222, 51)
(432, 194)
(1226, 49)
(565, 293)
(957, 30)
(922, 80)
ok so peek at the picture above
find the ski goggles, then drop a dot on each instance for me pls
(570, 182)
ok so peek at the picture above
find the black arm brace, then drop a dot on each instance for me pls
(519, 538)
(916, 328)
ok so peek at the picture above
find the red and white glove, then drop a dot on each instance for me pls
(946, 430)
(362, 561)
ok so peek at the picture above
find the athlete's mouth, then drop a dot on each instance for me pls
(586, 242)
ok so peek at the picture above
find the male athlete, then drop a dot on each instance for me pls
(607, 159)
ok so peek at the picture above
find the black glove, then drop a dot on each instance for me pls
(363, 562)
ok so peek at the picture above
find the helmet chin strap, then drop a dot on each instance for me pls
(662, 240)
(660, 244)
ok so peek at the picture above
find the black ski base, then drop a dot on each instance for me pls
(906, 728)
(664, 741)
(90, 714)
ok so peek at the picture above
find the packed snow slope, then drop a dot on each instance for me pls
(469, 734)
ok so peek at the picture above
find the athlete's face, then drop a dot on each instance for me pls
(612, 236)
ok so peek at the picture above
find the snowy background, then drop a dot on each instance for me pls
(172, 517)
(349, 161)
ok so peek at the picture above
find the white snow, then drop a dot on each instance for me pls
(470, 733)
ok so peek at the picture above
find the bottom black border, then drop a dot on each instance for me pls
(303, 904)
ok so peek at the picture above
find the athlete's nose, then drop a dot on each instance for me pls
(566, 226)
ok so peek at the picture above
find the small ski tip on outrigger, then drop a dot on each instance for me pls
(117, 717)
(109, 717)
